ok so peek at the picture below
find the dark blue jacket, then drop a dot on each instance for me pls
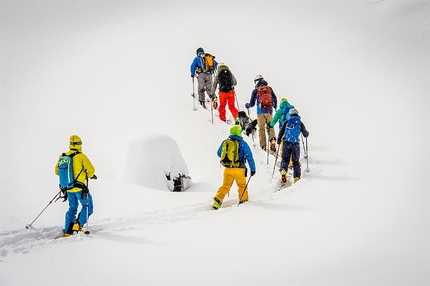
(245, 153)
(254, 98)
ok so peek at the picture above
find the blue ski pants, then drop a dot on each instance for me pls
(74, 199)
(291, 150)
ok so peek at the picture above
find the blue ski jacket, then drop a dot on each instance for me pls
(196, 65)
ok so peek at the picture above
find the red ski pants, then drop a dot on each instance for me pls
(224, 99)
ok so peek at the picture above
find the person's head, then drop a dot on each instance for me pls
(200, 51)
(236, 130)
(75, 143)
(284, 102)
(294, 111)
(257, 78)
(222, 66)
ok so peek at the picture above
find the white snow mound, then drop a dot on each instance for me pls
(151, 160)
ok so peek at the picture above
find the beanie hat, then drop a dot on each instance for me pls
(293, 111)
(222, 66)
(200, 50)
(75, 140)
(236, 130)
(284, 99)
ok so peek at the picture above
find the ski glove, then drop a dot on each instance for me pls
(94, 177)
(192, 75)
(305, 133)
(252, 173)
(246, 105)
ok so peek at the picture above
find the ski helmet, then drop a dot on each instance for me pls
(200, 50)
(293, 111)
(257, 78)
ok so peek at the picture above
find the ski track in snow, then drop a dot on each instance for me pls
(264, 189)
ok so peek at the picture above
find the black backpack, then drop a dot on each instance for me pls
(225, 80)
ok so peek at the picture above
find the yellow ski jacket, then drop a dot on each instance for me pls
(81, 164)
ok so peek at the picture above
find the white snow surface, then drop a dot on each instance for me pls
(117, 74)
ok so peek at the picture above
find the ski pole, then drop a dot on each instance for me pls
(305, 150)
(194, 97)
(276, 159)
(268, 144)
(87, 216)
(307, 156)
(237, 101)
(31, 224)
(244, 190)
(212, 112)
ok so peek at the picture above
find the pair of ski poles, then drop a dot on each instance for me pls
(305, 150)
(55, 198)
(194, 103)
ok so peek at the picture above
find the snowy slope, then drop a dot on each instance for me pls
(356, 71)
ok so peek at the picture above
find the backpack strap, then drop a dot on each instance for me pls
(77, 184)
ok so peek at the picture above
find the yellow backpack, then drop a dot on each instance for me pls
(208, 62)
(230, 153)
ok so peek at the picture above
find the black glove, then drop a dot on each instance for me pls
(192, 75)
(306, 134)
(94, 177)
(64, 193)
(252, 173)
(246, 105)
(268, 126)
(279, 142)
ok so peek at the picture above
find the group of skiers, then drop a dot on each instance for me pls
(234, 152)
(205, 67)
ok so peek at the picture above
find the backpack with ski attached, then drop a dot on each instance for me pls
(265, 97)
(230, 153)
(225, 80)
(208, 62)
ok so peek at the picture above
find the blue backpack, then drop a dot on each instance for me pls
(292, 130)
(65, 171)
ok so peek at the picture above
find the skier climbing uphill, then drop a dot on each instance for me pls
(234, 152)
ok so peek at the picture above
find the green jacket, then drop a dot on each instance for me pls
(279, 114)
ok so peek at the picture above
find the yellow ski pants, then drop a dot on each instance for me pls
(231, 175)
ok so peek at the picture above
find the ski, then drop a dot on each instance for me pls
(274, 154)
(87, 233)
(289, 182)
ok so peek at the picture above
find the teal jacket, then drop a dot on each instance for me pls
(280, 116)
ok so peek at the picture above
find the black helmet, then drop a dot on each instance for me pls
(200, 50)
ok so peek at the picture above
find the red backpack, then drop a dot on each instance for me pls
(265, 97)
